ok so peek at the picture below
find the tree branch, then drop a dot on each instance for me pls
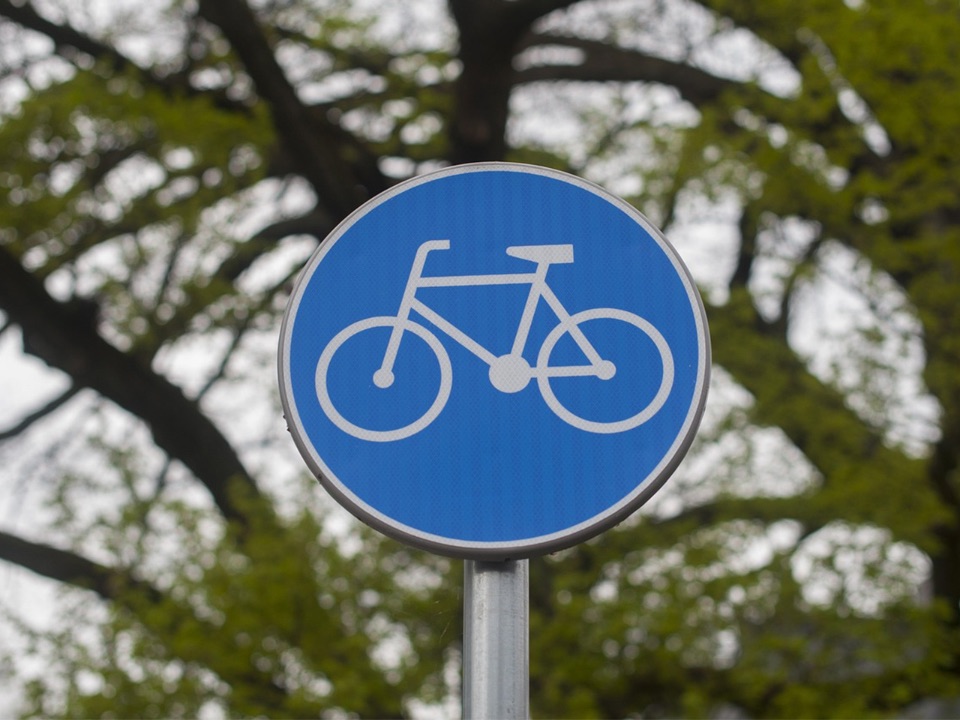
(73, 569)
(198, 296)
(51, 332)
(747, 254)
(312, 143)
(490, 32)
(605, 63)
(762, 509)
(68, 40)
(39, 414)
(63, 36)
(316, 223)
(135, 595)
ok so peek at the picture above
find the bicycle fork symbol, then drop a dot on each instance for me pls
(508, 373)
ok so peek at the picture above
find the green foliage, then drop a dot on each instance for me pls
(717, 619)
(273, 619)
(121, 167)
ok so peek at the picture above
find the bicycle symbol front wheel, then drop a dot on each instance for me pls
(390, 434)
(545, 378)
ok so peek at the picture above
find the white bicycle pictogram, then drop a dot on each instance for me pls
(508, 373)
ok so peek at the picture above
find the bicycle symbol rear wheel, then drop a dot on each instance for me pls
(615, 426)
(387, 435)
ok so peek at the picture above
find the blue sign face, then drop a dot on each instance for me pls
(494, 361)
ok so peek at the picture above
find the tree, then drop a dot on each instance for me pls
(164, 175)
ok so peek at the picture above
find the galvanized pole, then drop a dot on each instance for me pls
(496, 630)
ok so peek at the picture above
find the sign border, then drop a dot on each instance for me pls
(496, 550)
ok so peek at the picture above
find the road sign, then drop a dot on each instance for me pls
(494, 361)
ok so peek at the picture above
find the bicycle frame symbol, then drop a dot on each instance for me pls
(508, 373)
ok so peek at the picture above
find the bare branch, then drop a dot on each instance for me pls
(312, 143)
(39, 414)
(73, 569)
(604, 63)
(747, 253)
(63, 36)
(51, 332)
(761, 509)
(489, 38)
(69, 41)
(136, 596)
(316, 223)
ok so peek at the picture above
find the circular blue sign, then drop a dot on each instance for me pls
(494, 361)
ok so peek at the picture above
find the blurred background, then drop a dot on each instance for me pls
(167, 168)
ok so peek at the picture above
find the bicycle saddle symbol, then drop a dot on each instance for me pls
(508, 373)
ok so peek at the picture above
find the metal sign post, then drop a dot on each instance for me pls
(496, 640)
